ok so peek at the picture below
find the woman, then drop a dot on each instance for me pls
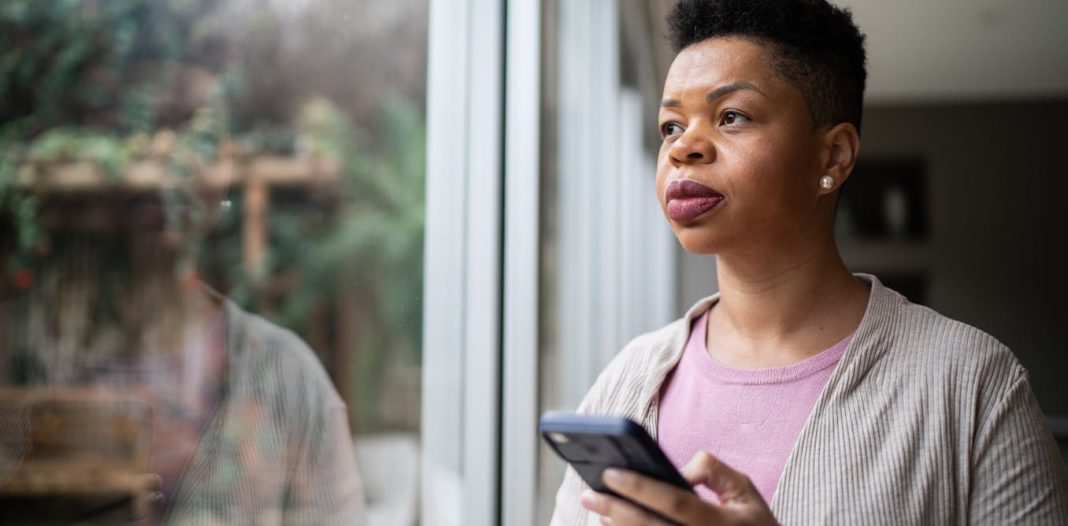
(801, 393)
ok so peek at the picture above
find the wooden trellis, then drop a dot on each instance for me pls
(255, 176)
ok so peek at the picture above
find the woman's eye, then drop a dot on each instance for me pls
(733, 117)
(669, 129)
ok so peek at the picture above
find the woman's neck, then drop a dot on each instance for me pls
(776, 312)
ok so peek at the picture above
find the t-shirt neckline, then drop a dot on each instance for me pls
(698, 356)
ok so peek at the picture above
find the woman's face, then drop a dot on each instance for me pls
(745, 135)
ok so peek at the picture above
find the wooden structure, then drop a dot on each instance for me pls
(256, 176)
(76, 445)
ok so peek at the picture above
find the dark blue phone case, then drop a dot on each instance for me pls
(591, 444)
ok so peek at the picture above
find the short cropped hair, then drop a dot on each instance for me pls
(815, 45)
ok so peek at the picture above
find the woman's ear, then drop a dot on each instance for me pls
(841, 146)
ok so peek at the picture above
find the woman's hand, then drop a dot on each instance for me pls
(739, 500)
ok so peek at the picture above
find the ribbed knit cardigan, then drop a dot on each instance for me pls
(277, 450)
(925, 420)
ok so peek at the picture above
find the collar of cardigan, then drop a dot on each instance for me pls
(858, 357)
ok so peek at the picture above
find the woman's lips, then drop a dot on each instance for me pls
(687, 200)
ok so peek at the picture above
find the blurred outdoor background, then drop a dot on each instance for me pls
(272, 150)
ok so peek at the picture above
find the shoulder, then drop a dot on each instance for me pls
(933, 337)
(923, 344)
(644, 349)
(276, 359)
(620, 387)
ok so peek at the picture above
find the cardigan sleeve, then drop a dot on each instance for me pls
(616, 391)
(620, 389)
(568, 510)
(1018, 475)
(324, 487)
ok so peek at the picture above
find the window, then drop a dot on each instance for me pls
(607, 255)
(214, 218)
(211, 259)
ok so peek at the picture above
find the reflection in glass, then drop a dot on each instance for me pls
(210, 260)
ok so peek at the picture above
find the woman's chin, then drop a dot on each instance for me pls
(696, 242)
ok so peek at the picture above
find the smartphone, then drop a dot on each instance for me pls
(592, 444)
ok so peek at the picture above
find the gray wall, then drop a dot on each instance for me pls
(997, 201)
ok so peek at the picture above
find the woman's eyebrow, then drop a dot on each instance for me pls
(731, 88)
(716, 93)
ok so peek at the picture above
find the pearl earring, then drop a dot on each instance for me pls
(827, 182)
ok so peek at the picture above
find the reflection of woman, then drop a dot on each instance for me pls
(802, 393)
(244, 427)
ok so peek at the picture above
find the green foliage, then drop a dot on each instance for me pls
(95, 63)
(370, 250)
(110, 152)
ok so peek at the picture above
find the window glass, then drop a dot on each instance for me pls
(607, 256)
(211, 235)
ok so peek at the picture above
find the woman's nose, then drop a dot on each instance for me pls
(692, 147)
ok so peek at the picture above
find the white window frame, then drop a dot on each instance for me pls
(521, 248)
(480, 401)
(617, 255)
(461, 332)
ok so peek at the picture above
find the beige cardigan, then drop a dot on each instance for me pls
(925, 420)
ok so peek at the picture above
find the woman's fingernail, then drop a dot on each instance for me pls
(589, 499)
(615, 477)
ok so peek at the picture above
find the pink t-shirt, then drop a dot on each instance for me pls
(748, 418)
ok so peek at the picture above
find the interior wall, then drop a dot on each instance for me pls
(996, 186)
(997, 189)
